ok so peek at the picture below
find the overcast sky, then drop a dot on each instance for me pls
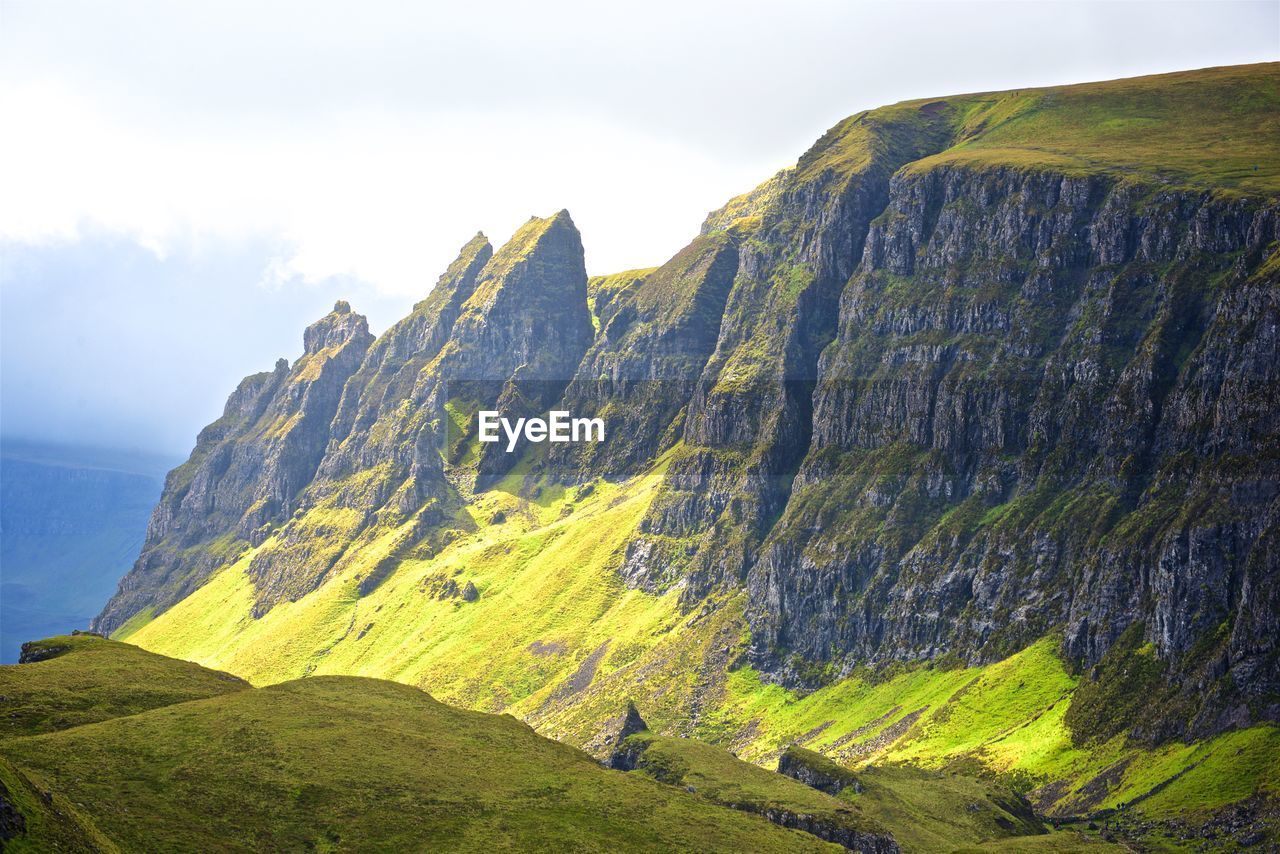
(183, 186)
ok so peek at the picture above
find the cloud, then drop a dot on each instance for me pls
(366, 194)
(104, 342)
(373, 138)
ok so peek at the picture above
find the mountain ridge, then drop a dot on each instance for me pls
(977, 373)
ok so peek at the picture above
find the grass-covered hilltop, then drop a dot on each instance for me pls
(119, 749)
(939, 509)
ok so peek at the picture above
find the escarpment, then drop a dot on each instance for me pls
(976, 370)
(1008, 405)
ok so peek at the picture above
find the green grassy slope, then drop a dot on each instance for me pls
(557, 639)
(1002, 721)
(923, 810)
(335, 763)
(1006, 718)
(720, 777)
(88, 679)
(33, 818)
(1209, 129)
(946, 810)
(549, 600)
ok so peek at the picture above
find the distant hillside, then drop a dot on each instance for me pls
(72, 519)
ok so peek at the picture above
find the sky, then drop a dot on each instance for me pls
(184, 186)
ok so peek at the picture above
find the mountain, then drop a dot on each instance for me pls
(72, 520)
(956, 444)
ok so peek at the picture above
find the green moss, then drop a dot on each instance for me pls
(923, 810)
(998, 700)
(137, 621)
(603, 292)
(943, 811)
(743, 214)
(1227, 769)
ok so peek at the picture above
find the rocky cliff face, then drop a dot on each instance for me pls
(973, 372)
(657, 329)
(375, 424)
(1027, 420)
(247, 468)
(325, 457)
(749, 418)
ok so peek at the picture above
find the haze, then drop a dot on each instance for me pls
(184, 186)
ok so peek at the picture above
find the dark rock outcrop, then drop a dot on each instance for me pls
(33, 651)
(749, 418)
(12, 822)
(613, 739)
(838, 824)
(843, 835)
(360, 426)
(816, 771)
(657, 330)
